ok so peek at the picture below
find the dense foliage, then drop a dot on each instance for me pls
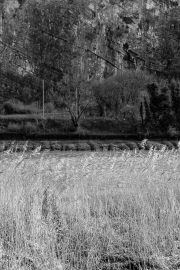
(103, 55)
(162, 111)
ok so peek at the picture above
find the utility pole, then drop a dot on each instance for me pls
(43, 95)
(1, 19)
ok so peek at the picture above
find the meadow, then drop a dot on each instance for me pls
(96, 210)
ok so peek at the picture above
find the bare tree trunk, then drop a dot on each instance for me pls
(76, 100)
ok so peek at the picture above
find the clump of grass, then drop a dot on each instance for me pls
(95, 211)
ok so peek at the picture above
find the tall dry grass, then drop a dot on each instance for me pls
(92, 211)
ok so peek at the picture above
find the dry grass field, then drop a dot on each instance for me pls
(90, 210)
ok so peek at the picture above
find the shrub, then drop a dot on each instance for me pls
(14, 126)
(17, 107)
(112, 147)
(172, 132)
(152, 144)
(56, 146)
(175, 99)
(70, 147)
(49, 107)
(169, 145)
(123, 146)
(29, 126)
(132, 145)
(32, 108)
(104, 147)
(125, 88)
(94, 145)
(159, 112)
(83, 147)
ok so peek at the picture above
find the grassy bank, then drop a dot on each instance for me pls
(58, 124)
(95, 211)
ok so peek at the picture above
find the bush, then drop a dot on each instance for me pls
(32, 108)
(172, 132)
(125, 88)
(83, 147)
(11, 107)
(169, 145)
(112, 147)
(123, 146)
(30, 127)
(152, 144)
(104, 147)
(159, 113)
(94, 145)
(174, 87)
(49, 107)
(14, 126)
(132, 145)
(70, 147)
(17, 107)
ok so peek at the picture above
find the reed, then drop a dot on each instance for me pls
(92, 211)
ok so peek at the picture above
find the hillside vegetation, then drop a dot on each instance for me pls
(99, 58)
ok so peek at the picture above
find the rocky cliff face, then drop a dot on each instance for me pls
(138, 25)
(116, 24)
(118, 34)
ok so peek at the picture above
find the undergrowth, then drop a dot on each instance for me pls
(92, 211)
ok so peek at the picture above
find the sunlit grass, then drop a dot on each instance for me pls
(90, 211)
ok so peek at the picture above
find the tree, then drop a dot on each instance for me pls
(49, 38)
(160, 107)
(75, 95)
(147, 112)
(105, 93)
(46, 33)
(175, 100)
(125, 88)
(45, 37)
